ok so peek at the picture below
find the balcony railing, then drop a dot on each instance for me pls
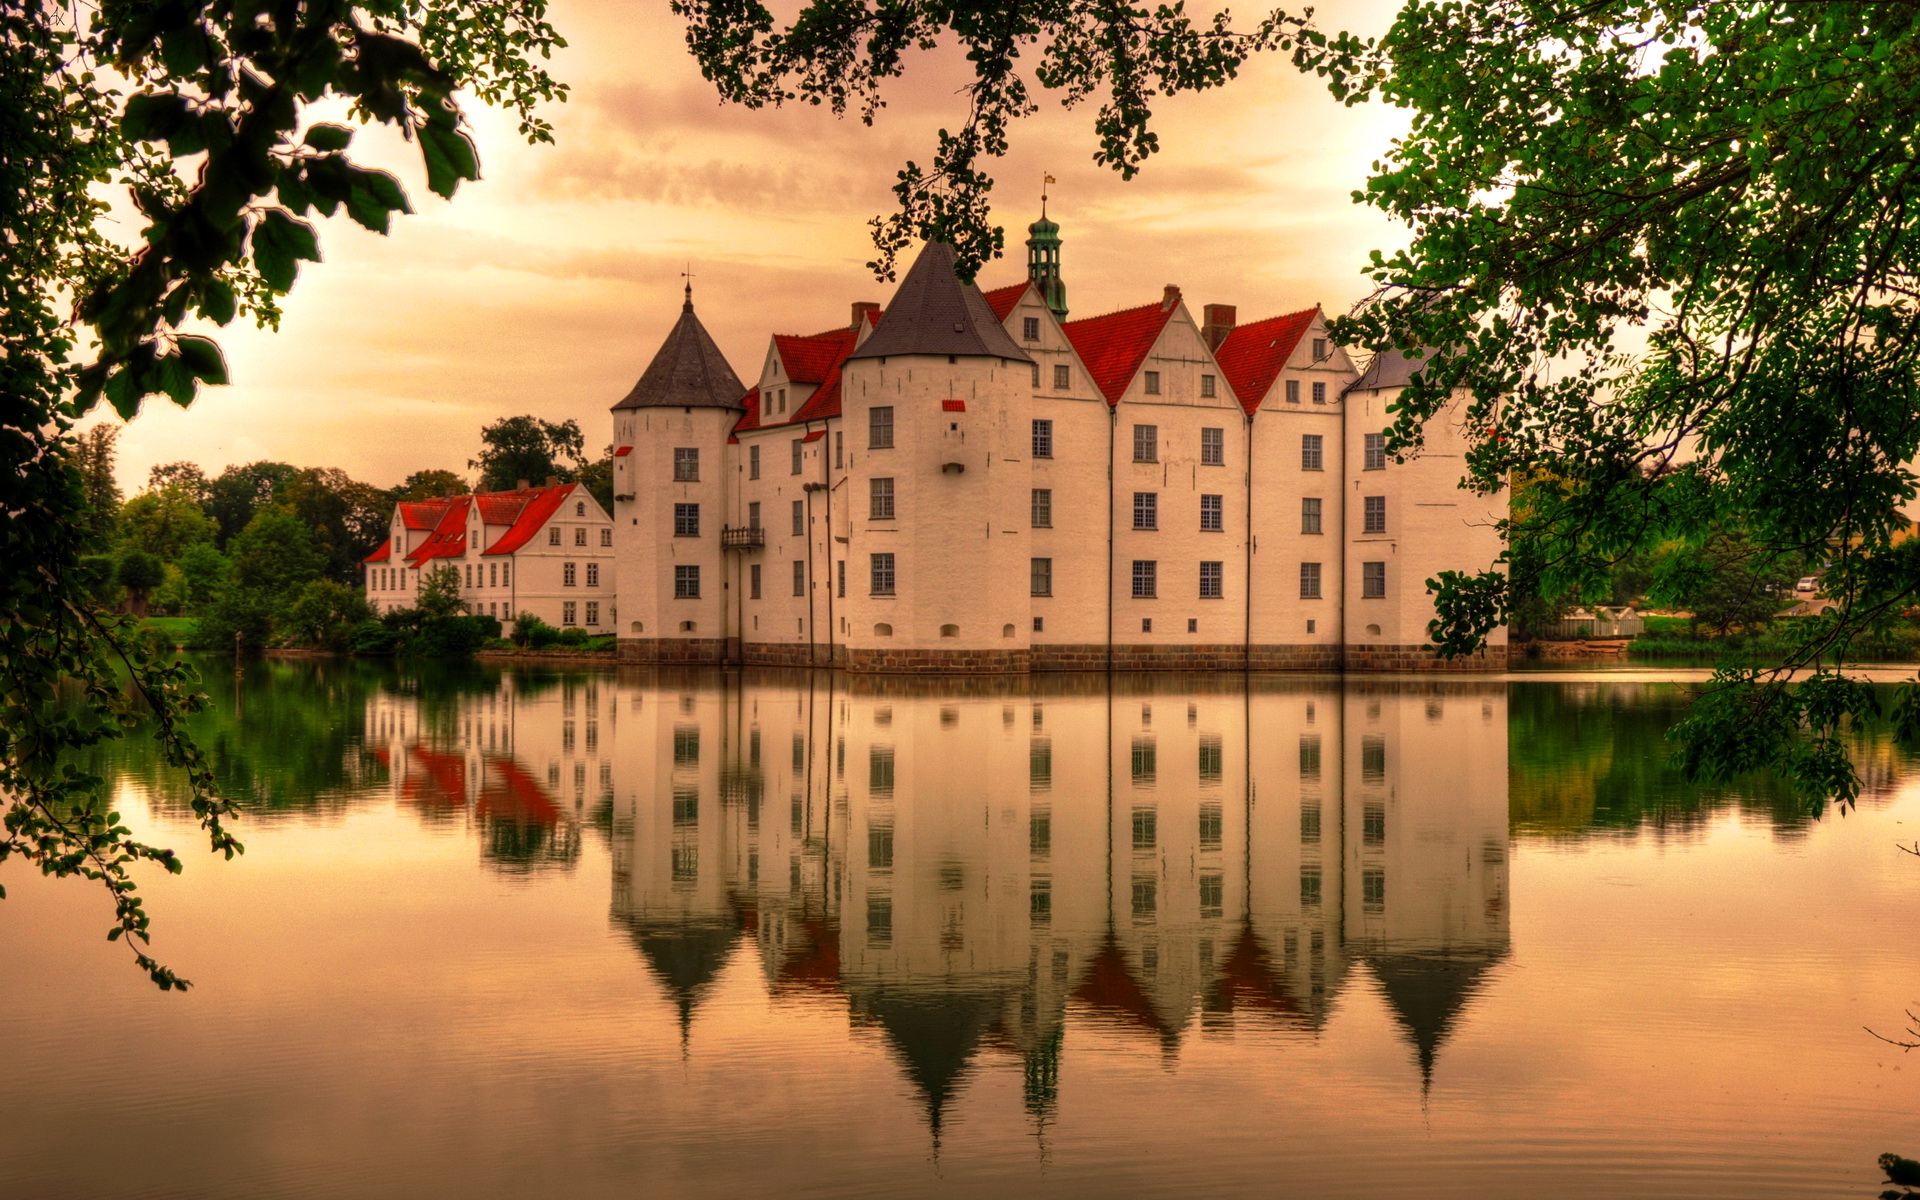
(746, 537)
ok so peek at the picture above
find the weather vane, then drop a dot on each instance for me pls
(1045, 179)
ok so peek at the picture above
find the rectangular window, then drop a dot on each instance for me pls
(880, 499)
(1213, 514)
(1213, 445)
(506, 575)
(1213, 894)
(1319, 349)
(1309, 581)
(840, 570)
(880, 428)
(799, 519)
(1293, 391)
(753, 582)
(1213, 581)
(493, 574)
(1310, 455)
(1036, 377)
(753, 515)
(1042, 577)
(881, 567)
(1146, 443)
(469, 575)
(1153, 383)
(1373, 581)
(1211, 821)
(1374, 514)
(1206, 387)
(1043, 508)
(1146, 768)
(1319, 391)
(593, 618)
(799, 451)
(839, 450)
(1043, 438)
(799, 576)
(686, 520)
(686, 464)
(880, 771)
(1309, 824)
(1310, 514)
(566, 575)
(1376, 452)
(553, 536)
(1310, 885)
(1146, 822)
(686, 583)
(593, 575)
(1030, 328)
(880, 847)
(1146, 577)
(606, 537)
(1146, 510)
(753, 462)
(580, 536)
(567, 609)
(1062, 377)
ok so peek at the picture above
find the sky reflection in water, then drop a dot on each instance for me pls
(693, 934)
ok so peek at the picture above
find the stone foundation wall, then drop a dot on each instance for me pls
(935, 662)
(1091, 656)
(1422, 659)
(678, 651)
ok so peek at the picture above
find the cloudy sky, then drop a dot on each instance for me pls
(546, 287)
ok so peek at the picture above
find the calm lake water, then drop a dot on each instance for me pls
(700, 934)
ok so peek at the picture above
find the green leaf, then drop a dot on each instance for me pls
(217, 301)
(279, 242)
(329, 137)
(203, 358)
(150, 116)
(374, 195)
(450, 157)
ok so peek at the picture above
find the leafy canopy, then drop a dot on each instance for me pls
(196, 113)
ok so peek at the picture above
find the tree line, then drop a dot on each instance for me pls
(271, 552)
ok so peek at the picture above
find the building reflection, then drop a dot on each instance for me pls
(967, 866)
(522, 762)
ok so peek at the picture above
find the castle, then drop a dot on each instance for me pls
(969, 481)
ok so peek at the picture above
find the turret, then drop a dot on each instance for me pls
(1043, 262)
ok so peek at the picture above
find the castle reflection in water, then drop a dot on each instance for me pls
(965, 865)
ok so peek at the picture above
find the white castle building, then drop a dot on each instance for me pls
(969, 481)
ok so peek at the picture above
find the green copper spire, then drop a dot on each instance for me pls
(1043, 259)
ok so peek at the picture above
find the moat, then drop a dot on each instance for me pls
(709, 933)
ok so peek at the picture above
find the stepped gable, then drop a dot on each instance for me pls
(1252, 354)
(1114, 345)
(934, 313)
(1427, 993)
(688, 371)
(1393, 369)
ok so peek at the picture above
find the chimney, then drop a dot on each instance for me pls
(1170, 297)
(1217, 321)
(862, 310)
(553, 481)
(519, 485)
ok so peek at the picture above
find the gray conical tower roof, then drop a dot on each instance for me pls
(934, 313)
(687, 372)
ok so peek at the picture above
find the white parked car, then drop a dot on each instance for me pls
(1808, 585)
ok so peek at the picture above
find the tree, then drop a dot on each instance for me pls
(440, 592)
(94, 457)
(164, 522)
(324, 614)
(528, 448)
(597, 478)
(184, 475)
(274, 556)
(204, 570)
(1720, 581)
(239, 492)
(427, 485)
(348, 518)
(139, 573)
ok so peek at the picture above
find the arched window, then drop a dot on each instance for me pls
(883, 630)
(949, 631)
(1006, 631)
(639, 626)
(686, 627)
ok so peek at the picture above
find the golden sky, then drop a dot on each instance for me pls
(546, 287)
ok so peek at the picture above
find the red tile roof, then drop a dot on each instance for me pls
(751, 418)
(449, 537)
(1113, 346)
(808, 359)
(1252, 355)
(953, 406)
(541, 505)
(382, 554)
(1002, 300)
(423, 514)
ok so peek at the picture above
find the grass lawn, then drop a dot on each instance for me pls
(177, 628)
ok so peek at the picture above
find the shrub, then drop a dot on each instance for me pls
(372, 637)
(452, 637)
(248, 612)
(574, 638)
(531, 631)
(324, 614)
